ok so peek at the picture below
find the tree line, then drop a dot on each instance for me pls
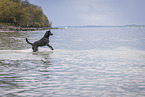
(22, 13)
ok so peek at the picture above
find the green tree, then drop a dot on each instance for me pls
(22, 13)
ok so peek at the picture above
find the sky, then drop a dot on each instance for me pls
(93, 12)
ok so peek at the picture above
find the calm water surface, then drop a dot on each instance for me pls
(86, 62)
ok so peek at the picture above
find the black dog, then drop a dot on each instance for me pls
(42, 42)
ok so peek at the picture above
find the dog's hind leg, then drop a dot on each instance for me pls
(50, 47)
(35, 48)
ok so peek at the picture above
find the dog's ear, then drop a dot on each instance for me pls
(48, 31)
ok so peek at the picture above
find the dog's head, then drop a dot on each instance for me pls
(47, 34)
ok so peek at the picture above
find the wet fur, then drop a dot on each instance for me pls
(44, 41)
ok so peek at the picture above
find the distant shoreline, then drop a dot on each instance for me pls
(91, 26)
(14, 28)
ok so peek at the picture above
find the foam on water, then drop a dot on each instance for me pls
(121, 52)
(27, 54)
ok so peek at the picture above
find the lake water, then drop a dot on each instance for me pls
(86, 62)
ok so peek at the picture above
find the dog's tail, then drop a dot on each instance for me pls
(28, 41)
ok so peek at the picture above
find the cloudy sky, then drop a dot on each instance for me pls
(93, 12)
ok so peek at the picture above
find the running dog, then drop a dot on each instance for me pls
(44, 41)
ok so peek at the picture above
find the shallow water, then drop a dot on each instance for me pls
(86, 62)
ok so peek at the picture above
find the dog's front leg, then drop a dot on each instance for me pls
(50, 47)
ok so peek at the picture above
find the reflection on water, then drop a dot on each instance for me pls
(12, 40)
(95, 62)
(21, 78)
